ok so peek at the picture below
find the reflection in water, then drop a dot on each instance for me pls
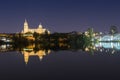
(5, 47)
(27, 51)
(110, 47)
(30, 52)
(40, 50)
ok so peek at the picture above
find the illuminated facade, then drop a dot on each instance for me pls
(39, 30)
(29, 52)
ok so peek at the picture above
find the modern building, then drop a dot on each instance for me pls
(39, 30)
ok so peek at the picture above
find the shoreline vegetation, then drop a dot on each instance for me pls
(72, 40)
(47, 41)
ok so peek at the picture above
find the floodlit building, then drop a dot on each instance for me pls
(30, 53)
(39, 30)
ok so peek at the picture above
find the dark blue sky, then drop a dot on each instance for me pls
(59, 15)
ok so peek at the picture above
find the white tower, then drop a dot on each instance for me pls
(25, 26)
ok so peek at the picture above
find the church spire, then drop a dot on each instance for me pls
(25, 23)
(25, 20)
(25, 26)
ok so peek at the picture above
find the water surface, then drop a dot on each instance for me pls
(100, 64)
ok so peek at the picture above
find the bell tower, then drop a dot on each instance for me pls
(25, 26)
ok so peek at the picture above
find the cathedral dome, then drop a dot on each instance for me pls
(40, 26)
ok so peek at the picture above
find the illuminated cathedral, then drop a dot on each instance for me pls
(39, 30)
(29, 52)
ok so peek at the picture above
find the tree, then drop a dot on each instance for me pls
(36, 35)
(113, 30)
(90, 32)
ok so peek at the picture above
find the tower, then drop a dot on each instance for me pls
(25, 26)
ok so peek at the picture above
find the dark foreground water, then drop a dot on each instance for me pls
(61, 65)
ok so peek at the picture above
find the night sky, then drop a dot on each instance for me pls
(59, 15)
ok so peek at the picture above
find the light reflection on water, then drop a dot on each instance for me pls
(66, 63)
(110, 45)
(29, 51)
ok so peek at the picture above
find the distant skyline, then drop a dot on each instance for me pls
(59, 15)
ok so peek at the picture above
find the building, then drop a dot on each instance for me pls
(39, 30)
(29, 52)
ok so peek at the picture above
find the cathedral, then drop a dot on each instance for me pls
(39, 30)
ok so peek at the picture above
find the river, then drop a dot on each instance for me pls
(102, 63)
